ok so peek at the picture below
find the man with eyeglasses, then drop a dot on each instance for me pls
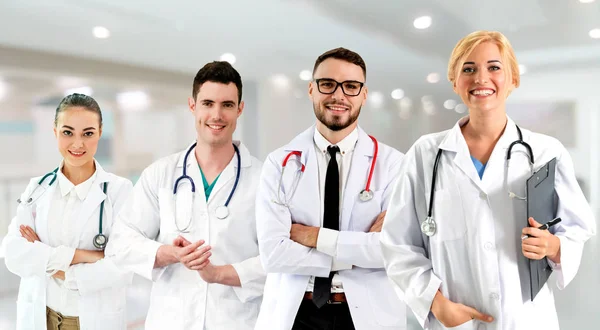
(319, 221)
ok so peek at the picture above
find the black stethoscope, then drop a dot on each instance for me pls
(222, 211)
(100, 240)
(428, 227)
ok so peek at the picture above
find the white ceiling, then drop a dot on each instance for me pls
(285, 36)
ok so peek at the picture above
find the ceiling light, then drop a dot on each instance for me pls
(280, 81)
(595, 33)
(376, 99)
(133, 100)
(85, 90)
(449, 104)
(397, 94)
(461, 108)
(422, 22)
(305, 75)
(586, 1)
(101, 32)
(3, 89)
(433, 78)
(522, 69)
(228, 57)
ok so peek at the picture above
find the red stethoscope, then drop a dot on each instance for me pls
(365, 195)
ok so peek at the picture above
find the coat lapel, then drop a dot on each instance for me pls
(90, 206)
(357, 177)
(40, 209)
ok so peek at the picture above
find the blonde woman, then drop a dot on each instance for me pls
(463, 264)
(55, 242)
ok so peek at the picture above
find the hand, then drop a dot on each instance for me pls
(59, 275)
(86, 256)
(452, 314)
(540, 244)
(28, 233)
(190, 255)
(304, 235)
(376, 226)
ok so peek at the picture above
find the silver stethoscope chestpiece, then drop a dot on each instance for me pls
(100, 241)
(366, 195)
(428, 226)
(222, 212)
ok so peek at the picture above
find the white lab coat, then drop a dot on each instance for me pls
(101, 285)
(475, 256)
(180, 299)
(370, 295)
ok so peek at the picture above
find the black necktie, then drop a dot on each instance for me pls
(331, 220)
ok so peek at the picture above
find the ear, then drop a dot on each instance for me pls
(191, 104)
(55, 132)
(100, 131)
(366, 91)
(311, 90)
(240, 108)
(454, 87)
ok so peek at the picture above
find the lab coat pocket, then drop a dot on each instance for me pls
(166, 202)
(449, 215)
(25, 315)
(469, 325)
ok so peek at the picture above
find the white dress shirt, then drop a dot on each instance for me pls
(62, 296)
(327, 240)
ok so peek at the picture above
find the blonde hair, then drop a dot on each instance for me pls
(466, 45)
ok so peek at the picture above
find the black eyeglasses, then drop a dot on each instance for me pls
(329, 86)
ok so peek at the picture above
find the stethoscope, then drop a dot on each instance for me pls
(222, 211)
(365, 195)
(100, 240)
(428, 227)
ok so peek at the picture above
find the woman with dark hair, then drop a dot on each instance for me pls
(56, 241)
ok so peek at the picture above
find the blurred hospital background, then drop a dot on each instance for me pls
(138, 59)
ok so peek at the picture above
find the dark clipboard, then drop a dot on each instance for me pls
(541, 205)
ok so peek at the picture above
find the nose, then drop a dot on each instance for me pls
(78, 143)
(481, 77)
(339, 94)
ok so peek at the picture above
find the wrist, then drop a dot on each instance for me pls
(554, 254)
(438, 303)
(165, 255)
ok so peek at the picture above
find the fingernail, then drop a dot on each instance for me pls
(490, 319)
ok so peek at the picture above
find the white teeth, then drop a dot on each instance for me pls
(336, 108)
(215, 127)
(484, 92)
(77, 153)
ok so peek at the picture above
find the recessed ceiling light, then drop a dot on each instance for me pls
(586, 1)
(280, 81)
(449, 104)
(376, 99)
(595, 33)
(397, 94)
(85, 90)
(228, 57)
(422, 22)
(101, 32)
(3, 89)
(433, 78)
(305, 75)
(522, 69)
(133, 100)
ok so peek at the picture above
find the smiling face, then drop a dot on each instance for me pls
(77, 132)
(216, 111)
(484, 81)
(338, 110)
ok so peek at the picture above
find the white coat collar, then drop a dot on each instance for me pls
(304, 142)
(455, 140)
(245, 156)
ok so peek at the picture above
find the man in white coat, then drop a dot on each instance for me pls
(189, 225)
(319, 220)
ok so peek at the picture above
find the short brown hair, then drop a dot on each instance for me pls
(219, 72)
(343, 54)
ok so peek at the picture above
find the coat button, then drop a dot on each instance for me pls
(494, 296)
(488, 246)
(482, 195)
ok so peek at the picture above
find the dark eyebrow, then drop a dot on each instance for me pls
(68, 127)
(229, 102)
(490, 61)
(89, 129)
(207, 100)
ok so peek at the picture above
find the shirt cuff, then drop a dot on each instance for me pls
(60, 259)
(327, 241)
(70, 279)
